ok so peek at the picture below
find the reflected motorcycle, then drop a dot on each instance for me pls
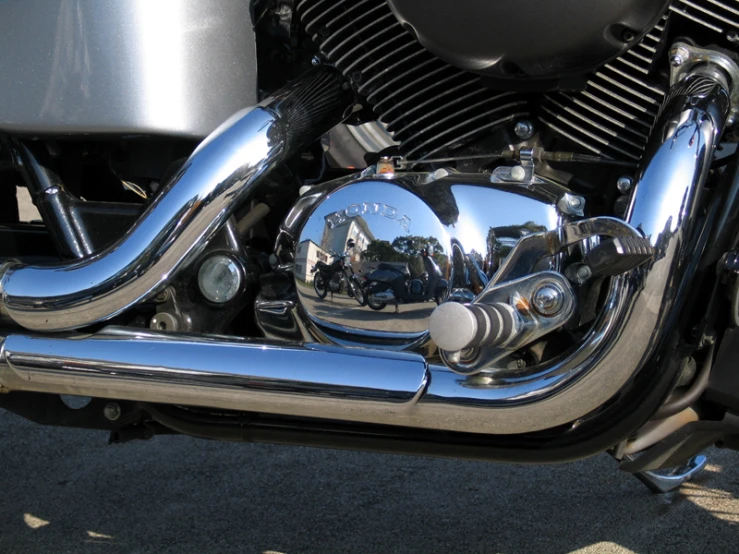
(188, 161)
(388, 283)
(335, 276)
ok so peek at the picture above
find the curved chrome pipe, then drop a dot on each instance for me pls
(172, 232)
(640, 308)
(399, 389)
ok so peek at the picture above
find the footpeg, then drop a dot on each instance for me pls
(618, 255)
(663, 481)
(502, 319)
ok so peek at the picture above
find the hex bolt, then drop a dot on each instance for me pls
(548, 300)
(315, 61)
(112, 411)
(624, 184)
(575, 202)
(524, 129)
(571, 204)
(679, 56)
(732, 36)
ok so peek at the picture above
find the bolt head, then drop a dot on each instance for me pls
(732, 36)
(575, 202)
(624, 184)
(548, 300)
(112, 411)
(315, 61)
(678, 56)
(518, 173)
(584, 273)
(524, 130)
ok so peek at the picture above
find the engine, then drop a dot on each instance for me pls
(434, 106)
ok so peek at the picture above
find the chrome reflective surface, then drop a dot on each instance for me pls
(465, 223)
(218, 372)
(520, 298)
(171, 67)
(638, 309)
(639, 305)
(172, 231)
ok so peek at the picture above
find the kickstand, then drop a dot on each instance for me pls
(667, 480)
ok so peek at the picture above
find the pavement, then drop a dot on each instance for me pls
(64, 490)
(68, 491)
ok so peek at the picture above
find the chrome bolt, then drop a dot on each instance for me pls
(518, 173)
(624, 184)
(584, 273)
(548, 300)
(112, 411)
(679, 56)
(315, 61)
(571, 204)
(732, 36)
(164, 321)
(524, 130)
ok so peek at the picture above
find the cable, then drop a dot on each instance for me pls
(537, 154)
(700, 383)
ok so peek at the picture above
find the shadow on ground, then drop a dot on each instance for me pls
(68, 491)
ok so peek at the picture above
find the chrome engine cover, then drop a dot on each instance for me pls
(470, 222)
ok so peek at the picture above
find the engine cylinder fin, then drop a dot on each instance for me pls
(401, 80)
(717, 15)
(415, 94)
(458, 93)
(613, 115)
(472, 120)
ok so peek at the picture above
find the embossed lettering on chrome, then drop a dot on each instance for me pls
(367, 208)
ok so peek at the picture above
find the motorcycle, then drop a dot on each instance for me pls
(582, 190)
(390, 284)
(334, 276)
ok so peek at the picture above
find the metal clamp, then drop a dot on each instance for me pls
(685, 58)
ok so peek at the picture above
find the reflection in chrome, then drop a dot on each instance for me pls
(639, 306)
(415, 243)
(399, 388)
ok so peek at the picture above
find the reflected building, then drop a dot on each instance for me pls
(307, 255)
(335, 236)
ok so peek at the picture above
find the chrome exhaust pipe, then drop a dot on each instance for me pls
(400, 389)
(219, 175)
(217, 372)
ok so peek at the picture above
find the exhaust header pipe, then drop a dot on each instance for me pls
(373, 387)
(219, 175)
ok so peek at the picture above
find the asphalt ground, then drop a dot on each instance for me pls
(65, 490)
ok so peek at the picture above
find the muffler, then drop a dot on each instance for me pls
(360, 385)
(219, 175)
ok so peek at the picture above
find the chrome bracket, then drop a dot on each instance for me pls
(532, 320)
(685, 58)
(664, 481)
